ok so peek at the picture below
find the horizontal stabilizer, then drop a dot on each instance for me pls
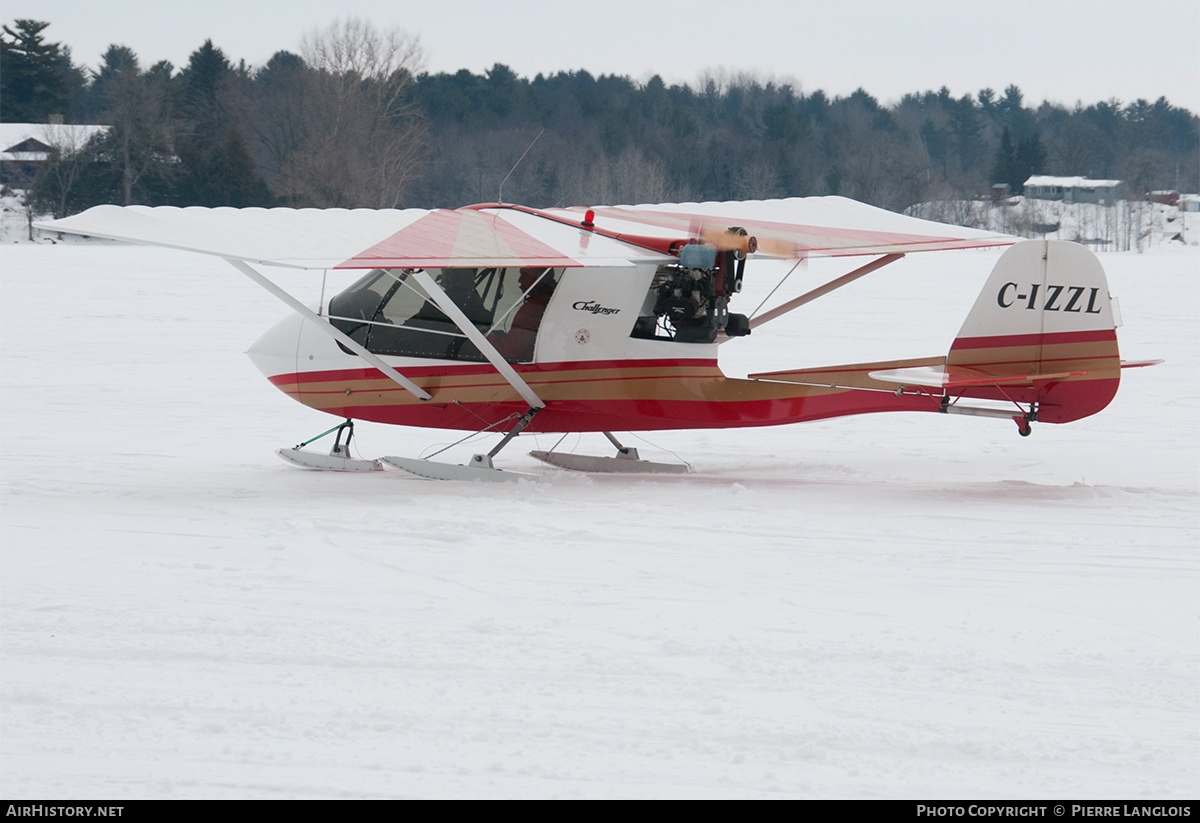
(954, 377)
(852, 376)
(1137, 364)
(933, 372)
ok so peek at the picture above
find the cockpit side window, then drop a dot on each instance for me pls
(504, 304)
(514, 333)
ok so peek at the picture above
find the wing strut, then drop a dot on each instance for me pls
(327, 327)
(837, 283)
(473, 334)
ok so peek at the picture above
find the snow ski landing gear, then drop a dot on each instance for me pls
(626, 461)
(338, 459)
(480, 468)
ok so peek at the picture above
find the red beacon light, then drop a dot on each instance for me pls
(589, 218)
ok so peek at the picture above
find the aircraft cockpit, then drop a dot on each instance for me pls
(389, 313)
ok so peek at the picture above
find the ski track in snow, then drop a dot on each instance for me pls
(880, 606)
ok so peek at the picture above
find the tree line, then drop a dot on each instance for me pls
(351, 121)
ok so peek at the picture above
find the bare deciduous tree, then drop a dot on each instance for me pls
(363, 142)
(68, 157)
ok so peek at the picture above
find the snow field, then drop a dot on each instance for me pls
(881, 606)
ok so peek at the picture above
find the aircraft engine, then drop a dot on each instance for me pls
(692, 302)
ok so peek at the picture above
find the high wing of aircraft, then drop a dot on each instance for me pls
(505, 318)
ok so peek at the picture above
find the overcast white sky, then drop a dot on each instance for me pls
(1061, 50)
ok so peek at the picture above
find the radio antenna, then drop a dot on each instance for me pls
(500, 194)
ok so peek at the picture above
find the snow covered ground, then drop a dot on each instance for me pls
(1123, 226)
(885, 606)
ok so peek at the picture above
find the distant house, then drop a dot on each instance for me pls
(1164, 197)
(1073, 189)
(25, 146)
(1189, 202)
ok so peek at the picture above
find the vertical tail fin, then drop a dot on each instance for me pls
(1045, 311)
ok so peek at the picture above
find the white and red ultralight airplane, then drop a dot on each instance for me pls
(504, 318)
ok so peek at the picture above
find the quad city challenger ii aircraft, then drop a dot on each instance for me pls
(504, 318)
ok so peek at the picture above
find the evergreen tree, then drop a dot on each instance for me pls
(37, 79)
(138, 147)
(1015, 165)
(968, 143)
(1029, 159)
(224, 176)
(987, 101)
(1002, 165)
(95, 102)
(345, 125)
(234, 179)
(278, 121)
(1012, 114)
(206, 103)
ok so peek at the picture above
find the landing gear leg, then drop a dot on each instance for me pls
(623, 453)
(338, 449)
(338, 459)
(485, 460)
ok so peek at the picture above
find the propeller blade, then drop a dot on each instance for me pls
(739, 240)
(728, 239)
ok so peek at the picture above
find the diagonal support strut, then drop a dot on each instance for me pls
(820, 291)
(473, 334)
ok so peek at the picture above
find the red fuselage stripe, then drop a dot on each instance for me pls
(471, 369)
(1044, 339)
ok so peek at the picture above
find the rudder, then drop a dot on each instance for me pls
(1045, 310)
